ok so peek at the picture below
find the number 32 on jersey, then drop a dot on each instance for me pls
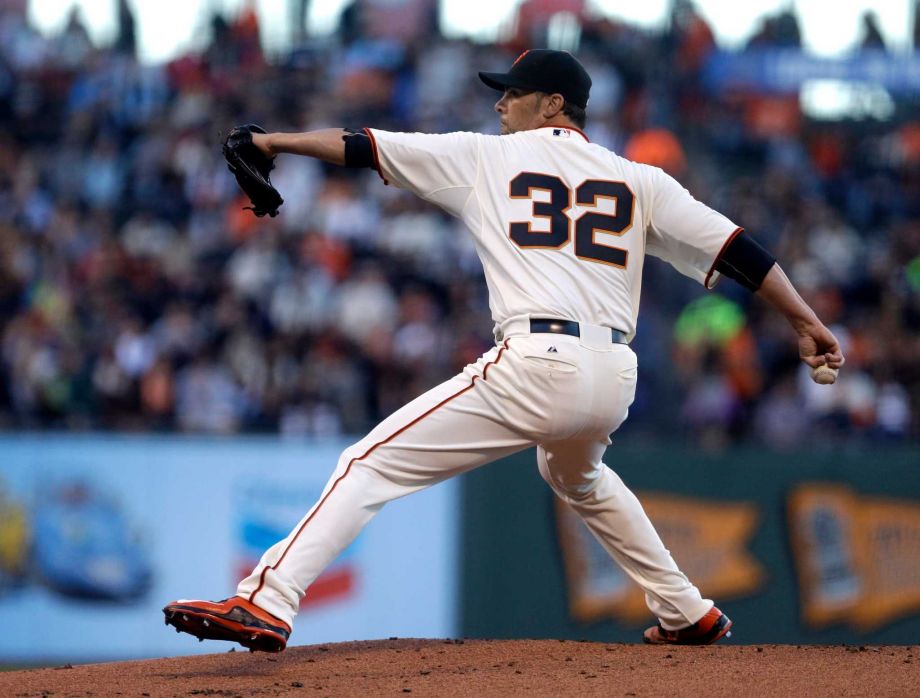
(556, 212)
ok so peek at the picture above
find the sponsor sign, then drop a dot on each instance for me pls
(98, 534)
(858, 557)
(785, 70)
(707, 539)
(266, 511)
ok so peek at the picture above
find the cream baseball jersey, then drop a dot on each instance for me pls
(561, 225)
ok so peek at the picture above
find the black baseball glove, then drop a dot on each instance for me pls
(251, 166)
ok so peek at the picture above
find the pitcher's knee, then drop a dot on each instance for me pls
(350, 454)
(571, 483)
(581, 489)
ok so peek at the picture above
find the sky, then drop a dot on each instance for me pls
(169, 27)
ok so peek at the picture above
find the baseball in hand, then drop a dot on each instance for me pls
(824, 375)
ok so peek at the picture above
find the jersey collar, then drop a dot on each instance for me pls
(561, 132)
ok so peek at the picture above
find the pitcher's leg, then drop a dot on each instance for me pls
(448, 430)
(615, 517)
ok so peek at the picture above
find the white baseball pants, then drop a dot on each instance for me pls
(561, 393)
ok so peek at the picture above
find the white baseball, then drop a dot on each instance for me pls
(824, 375)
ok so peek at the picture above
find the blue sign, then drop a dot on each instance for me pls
(784, 70)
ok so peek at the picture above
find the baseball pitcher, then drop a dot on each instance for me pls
(562, 227)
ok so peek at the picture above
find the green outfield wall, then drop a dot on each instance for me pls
(797, 547)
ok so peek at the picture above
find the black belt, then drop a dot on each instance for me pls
(570, 327)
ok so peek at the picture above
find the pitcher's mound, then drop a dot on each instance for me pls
(495, 668)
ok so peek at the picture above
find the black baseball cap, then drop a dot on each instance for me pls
(545, 70)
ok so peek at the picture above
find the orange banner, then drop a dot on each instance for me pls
(707, 539)
(858, 558)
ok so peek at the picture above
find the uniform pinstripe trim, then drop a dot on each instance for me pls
(369, 451)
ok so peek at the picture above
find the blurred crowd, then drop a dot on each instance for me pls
(137, 294)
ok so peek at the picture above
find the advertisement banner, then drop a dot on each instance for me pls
(788, 560)
(98, 534)
(785, 70)
(856, 556)
(708, 539)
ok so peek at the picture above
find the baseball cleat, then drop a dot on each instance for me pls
(710, 628)
(233, 619)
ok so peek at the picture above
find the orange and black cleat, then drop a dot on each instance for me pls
(709, 629)
(233, 619)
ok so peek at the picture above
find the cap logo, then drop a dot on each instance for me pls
(516, 60)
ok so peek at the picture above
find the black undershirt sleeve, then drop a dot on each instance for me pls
(745, 261)
(358, 149)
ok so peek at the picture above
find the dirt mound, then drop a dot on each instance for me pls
(494, 668)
